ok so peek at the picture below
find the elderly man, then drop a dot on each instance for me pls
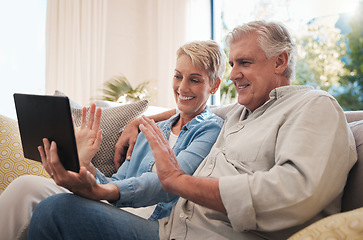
(280, 162)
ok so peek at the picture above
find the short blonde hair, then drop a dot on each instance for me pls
(207, 55)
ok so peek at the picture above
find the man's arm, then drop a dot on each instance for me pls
(172, 177)
(126, 142)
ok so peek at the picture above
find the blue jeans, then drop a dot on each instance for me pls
(68, 216)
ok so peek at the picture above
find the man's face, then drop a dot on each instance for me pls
(252, 73)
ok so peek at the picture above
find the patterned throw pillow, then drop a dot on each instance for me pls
(114, 118)
(12, 161)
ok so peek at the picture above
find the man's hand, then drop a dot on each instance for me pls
(89, 136)
(126, 142)
(83, 183)
(203, 191)
(167, 166)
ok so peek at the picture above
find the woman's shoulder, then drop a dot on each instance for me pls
(211, 118)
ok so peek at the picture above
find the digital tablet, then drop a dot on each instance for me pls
(46, 116)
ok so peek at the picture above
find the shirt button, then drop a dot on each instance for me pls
(224, 148)
(240, 126)
(182, 215)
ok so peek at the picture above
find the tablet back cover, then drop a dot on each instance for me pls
(45, 116)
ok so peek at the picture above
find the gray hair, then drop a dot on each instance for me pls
(207, 55)
(273, 38)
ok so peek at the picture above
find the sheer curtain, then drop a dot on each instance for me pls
(167, 32)
(171, 23)
(140, 42)
(75, 47)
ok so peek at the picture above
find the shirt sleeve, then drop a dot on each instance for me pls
(313, 155)
(146, 189)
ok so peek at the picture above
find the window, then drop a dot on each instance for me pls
(22, 50)
(323, 24)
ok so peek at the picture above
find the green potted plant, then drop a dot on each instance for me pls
(118, 89)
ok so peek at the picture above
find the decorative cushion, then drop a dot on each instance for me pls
(12, 161)
(114, 118)
(347, 225)
(353, 198)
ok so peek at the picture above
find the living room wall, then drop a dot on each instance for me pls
(89, 43)
(141, 40)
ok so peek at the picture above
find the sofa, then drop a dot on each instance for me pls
(346, 225)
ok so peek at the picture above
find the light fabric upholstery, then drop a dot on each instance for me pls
(353, 198)
(347, 225)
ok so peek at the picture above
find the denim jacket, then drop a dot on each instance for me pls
(139, 187)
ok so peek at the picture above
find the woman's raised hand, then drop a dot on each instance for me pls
(88, 135)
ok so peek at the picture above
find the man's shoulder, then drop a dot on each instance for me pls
(307, 90)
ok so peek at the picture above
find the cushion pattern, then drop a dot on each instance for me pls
(12, 161)
(113, 120)
(347, 225)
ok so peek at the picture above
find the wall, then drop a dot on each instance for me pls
(141, 40)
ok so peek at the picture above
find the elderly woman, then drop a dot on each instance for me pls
(191, 133)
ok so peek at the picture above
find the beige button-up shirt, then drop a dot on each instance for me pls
(280, 168)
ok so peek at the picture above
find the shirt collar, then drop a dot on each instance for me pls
(207, 113)
(276, 94)
(282, 91)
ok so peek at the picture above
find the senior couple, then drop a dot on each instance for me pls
(267, 174)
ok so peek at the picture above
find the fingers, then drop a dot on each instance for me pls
(55, 165)
(91, 116)
(44, 160)
(129, 151)
(118, 157)
(97, 119)
(98, 139)
(94, 120)
(150, 126)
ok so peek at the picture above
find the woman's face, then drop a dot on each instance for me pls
(191, 87)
